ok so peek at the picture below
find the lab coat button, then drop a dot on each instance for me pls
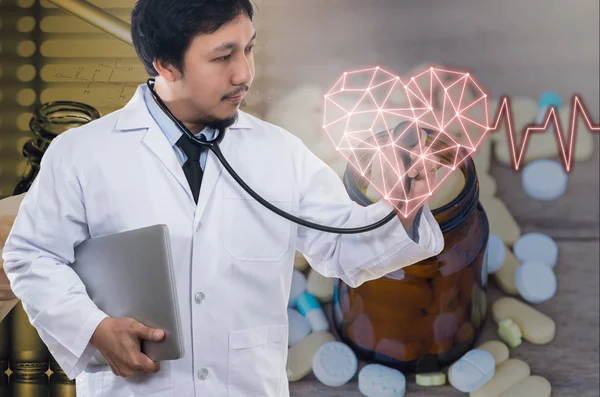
(199, 297)
(202, 373)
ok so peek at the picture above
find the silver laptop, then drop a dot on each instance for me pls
(130, 274)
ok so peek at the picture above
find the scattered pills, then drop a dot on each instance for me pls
(505, 277)
(497, 349)
(298, 287)
(544, 179)
(334, 364)
(472, 371)
(530, 386)
(502, 223)
(300, 356)
(535, 281)
(510, 332)
(508, 374)
(536, 327)
(299, 327)
(310, 308)
(496, 253)
(320, 286)
(375, 380)
(431, 379)
(536, 247)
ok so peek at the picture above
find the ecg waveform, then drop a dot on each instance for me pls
(578, 109)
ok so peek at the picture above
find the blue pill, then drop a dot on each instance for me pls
(550, 98)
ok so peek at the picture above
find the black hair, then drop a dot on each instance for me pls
(164, 29)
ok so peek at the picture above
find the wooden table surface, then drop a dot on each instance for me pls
(512, 48)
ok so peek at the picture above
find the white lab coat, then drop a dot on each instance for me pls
(119, 173)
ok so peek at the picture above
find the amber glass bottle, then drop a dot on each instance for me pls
(50, 120)
(427, 315)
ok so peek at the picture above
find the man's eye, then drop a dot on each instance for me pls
(226, 57)
(249, 49)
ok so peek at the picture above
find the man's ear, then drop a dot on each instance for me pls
(167, 71)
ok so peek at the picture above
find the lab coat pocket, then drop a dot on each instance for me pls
(256, 361)
(255, 233)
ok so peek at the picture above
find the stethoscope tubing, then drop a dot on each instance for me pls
(213, 145)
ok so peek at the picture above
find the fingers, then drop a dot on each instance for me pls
(147, 333)
(143, 363)
(423, 168)
(136, 364)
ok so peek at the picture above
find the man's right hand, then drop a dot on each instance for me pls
(118, 339)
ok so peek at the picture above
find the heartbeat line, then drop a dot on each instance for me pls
(578, 109)
(376, 120)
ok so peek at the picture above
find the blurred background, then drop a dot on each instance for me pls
(514, 48)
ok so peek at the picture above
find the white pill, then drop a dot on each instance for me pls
(298, 287)
(299, 327)
(544, 179)
(376, 380)
(334, 364)
(536, 247)
(496, 252)
(472, 371)
(535, 281)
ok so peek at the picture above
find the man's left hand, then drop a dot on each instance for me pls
(415, 179)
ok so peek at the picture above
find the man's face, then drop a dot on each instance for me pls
(218, 70)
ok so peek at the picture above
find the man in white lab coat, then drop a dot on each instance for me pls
(233, 257)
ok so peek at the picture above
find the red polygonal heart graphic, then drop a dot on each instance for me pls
(386, 126)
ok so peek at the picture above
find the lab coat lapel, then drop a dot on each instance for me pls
(214, 168)
(212, 172)
(135, 116)
(155, 141)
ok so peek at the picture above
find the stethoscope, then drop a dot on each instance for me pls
(214, 146)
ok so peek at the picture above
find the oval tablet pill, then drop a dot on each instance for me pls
(544, 179)
(375, 380)
(497, 349)
(320, 286)
(502, 222)
(536, 327)
(536, 247)
(508, 374)
(300, 356)
(299, 327)
(298, 287)
(530, 386)
(496, 252)
(505, 277)
(535, 281)
(472, 371)
(334, 364)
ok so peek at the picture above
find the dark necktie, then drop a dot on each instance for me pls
(191, 168)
